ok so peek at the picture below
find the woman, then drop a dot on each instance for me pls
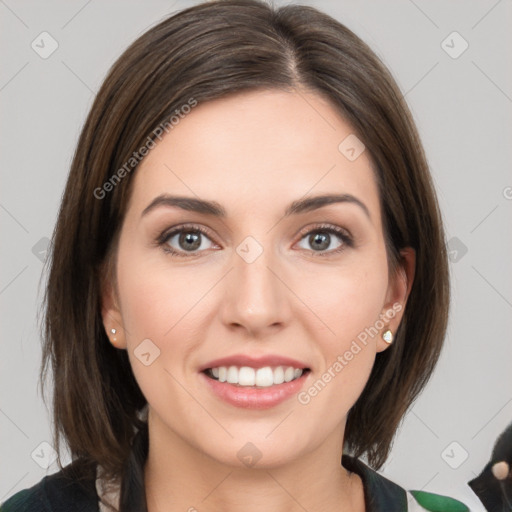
(207, 355)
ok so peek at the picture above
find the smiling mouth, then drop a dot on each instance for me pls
(256, 378)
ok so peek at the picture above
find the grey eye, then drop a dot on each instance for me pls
(321, 240)
(188, 240)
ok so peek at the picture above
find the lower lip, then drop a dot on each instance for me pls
(255, 398)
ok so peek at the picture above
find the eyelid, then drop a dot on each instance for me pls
(182, 227)
(325, 226)
(168, 233)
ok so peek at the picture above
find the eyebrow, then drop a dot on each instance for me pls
(308, 204)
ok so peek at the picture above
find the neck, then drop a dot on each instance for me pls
(181, 477)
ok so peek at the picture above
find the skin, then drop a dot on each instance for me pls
(254, 153)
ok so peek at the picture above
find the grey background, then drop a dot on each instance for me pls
(463, 108)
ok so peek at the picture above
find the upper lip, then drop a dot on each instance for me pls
(254, 362)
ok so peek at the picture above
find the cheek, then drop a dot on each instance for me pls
(157, 304)
(154, 297)
(347, 299)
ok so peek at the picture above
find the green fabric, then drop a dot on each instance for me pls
(67, 490)
(22, 501)
(438, 503)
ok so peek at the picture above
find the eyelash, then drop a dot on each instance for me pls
(345, 238)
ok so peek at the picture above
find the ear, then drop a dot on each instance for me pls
(399, 287)
(111, 314)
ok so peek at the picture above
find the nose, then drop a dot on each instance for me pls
(255, 296)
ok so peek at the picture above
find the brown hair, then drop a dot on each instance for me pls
(211, 50)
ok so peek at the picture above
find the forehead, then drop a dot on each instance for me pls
(256, 148)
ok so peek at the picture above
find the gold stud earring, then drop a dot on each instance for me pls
(387, 336)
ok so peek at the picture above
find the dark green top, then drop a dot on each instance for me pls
(61, 493)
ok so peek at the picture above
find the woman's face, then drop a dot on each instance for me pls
(276, 275)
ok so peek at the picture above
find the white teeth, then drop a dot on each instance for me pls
(289, 374)
(232, 376)
(262, 377)
(279, 375)
(246, 376)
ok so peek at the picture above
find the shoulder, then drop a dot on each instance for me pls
(382, 495)
(72, 488)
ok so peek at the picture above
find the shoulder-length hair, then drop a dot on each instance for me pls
(208, 51)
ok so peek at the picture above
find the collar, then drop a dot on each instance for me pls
(380, 494)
